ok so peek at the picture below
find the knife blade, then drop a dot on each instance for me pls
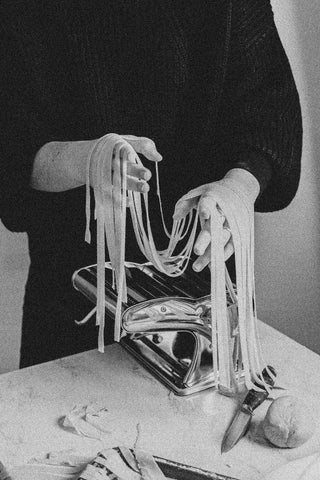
(242, 418)
(3, 473)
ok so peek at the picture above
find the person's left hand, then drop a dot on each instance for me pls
(247, 186)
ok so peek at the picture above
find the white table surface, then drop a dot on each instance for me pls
(187, 430)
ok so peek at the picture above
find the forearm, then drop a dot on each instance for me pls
(260, 118)
(60, 166)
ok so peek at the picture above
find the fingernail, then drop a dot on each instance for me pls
(196, 267)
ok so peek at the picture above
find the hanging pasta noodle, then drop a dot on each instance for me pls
(108, 173)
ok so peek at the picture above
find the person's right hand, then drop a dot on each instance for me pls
(60, 166)
(137, 175)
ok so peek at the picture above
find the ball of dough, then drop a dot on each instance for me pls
(289, 422)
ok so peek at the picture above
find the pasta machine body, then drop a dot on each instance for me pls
(166, 324)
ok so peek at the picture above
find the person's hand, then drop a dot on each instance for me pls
(137, 175)
(248, 188)
(239, 180)
(60, 166)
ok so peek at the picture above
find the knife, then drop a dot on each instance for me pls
(242, 418)
(3, 473)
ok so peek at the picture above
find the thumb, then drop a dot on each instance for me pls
(144, 145)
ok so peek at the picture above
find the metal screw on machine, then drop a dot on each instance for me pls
(157, 339)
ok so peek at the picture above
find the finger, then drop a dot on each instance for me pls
(204, 213)
(206, 204)
(137, 185)
(138, 171)
(183, 208)
(202, 261)
(144, 145)
(228, 250)
(205, 259)
(126, 152)
(203, 240)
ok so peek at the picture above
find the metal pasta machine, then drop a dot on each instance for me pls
(166, 323)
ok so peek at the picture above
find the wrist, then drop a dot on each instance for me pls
(247, 182)
(74, 157)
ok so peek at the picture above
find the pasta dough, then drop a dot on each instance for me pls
(289, 422)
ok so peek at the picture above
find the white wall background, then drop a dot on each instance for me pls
(287, 243)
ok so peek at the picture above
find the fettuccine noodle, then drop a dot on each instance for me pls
(108, 173)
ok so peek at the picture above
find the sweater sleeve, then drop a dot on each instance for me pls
(24, 129)
(260, 117)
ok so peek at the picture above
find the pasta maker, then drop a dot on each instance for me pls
(166, 324)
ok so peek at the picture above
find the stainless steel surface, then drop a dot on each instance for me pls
(166, 324)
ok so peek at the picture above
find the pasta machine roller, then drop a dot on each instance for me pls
(166, 324)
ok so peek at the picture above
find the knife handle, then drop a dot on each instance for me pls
(254, 398)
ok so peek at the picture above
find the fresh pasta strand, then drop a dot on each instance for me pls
(107, 166)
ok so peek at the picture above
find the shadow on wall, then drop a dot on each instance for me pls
(287, 242)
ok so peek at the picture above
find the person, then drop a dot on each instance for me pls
(207, 87)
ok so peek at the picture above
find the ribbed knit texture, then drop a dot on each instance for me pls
(208, 81)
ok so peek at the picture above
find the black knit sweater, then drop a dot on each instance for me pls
(208, 81)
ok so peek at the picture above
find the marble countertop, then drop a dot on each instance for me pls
(188, 430)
